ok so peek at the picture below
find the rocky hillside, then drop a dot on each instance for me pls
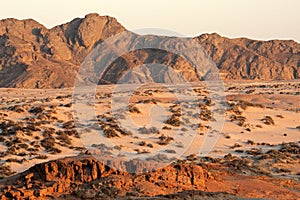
(32, 56)
(250, 59)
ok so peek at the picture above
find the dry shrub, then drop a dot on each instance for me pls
(268, 120)
(164, 140)
(152, 130)
(110, 133)
(134, 109)
(173, 121)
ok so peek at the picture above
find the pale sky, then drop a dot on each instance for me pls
(257, 19)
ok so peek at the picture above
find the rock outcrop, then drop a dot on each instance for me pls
(32, 56)
(67, 175)
(85, 177)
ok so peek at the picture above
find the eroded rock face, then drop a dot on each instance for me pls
(66, 175)
(32, 56)
(85, 177)
(250, 59)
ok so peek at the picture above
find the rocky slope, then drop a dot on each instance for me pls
(32, 56)
(250, 59)
(85, 177)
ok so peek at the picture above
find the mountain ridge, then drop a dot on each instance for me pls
(32, 56)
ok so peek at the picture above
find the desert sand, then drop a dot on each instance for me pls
(257, 124)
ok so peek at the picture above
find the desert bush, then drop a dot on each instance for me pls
(235, 109)
(150, 145)
(41, 157)
(173, 121)
(69, 125)
(48, 143)
(36, 110)
(167, 128)
(134, 109)
(184, 129)
(239, 151)
(291, 147)
(72, 132)
(48, 133)
(239, 119)
(3, 154)
(281, 170)
(13, 160)
(227, 136)
(152, 130)
(9, 143)
(250, 142)
(54, 150)
(22, 154)
(110, 133)
(139, 151)
(143, 143)
(268, 120)
(17, 109)
(2, 139)
(236, 145)
(207, 101)
(171, 151)
(5, 171)
(192, 157)
(68, 105)
(205, 114)
(164, 140)
(63, 137)
(248, 129)
(23, 145)
(123, 132)
(254, 152)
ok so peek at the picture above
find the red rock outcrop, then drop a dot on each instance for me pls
(65, 175)
(85, 177)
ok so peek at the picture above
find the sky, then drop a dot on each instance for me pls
(256, 19)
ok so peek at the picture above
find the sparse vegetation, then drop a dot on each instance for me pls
(173, 121)
(239, 119)
(134, 109)
(152, 130)
(164, 140)
(268, 120)
(41, 157)
(48, 143)
(5, 171)
(110, 133)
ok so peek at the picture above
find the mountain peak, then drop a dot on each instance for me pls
(92, 15)
(32, 56)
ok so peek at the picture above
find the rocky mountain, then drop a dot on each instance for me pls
(32, 56)
(250, 59)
